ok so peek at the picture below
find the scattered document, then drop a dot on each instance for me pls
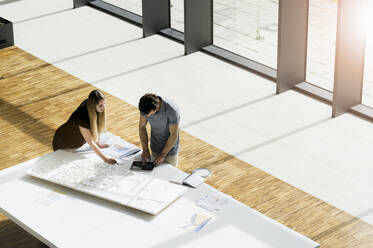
(214, 202)
(119, 149)
(192, 180)
(179, 177)
(197, 222)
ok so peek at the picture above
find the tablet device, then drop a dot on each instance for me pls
(140, 165)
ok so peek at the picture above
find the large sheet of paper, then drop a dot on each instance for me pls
(112, 182)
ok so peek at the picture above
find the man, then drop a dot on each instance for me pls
(163, 116)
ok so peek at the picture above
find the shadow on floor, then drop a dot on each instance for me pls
(8, 1)
(26, 123)
(137, 69)
(283, 136)
(262, 144)
(352, 220)
(41, 16)
(227, 111)
(60, 93)
(13, 236)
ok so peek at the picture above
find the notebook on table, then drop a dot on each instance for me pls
(192, 180)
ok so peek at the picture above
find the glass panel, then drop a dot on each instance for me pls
(368, 70)
(248, 28)
(133, 6)
(322, 28)
(177, 14)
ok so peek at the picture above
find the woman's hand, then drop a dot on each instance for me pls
(102, 145)
(110, 160)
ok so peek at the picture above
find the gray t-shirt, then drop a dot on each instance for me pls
(167, 115)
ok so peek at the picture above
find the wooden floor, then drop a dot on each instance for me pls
(35, 98)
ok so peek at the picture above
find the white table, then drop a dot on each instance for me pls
(61, 217)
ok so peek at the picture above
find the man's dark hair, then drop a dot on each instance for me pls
(147, 103)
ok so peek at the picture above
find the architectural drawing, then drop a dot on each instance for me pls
(112, 182)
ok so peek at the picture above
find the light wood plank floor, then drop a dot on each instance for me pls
(35, 98)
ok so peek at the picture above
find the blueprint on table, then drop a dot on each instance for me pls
(112, 182)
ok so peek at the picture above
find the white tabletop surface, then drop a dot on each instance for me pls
(61, 217)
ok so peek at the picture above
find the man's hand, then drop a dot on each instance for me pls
(159, 160)
(145, 156)
(103, 145)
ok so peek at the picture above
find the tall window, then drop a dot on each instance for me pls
(368, 70)
(248, 28)
(177, 14)
(322, 28)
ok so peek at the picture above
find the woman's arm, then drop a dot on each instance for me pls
(101, 146)
(89, 139)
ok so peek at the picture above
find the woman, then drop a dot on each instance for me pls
(85, 125)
